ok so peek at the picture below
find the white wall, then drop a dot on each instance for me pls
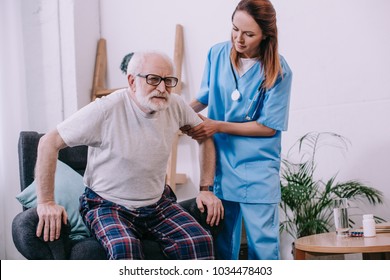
(12, 109)
(339, 53)
(336, 49)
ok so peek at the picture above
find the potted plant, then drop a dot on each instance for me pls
(307, 201)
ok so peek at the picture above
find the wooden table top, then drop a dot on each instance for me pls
(330, 243)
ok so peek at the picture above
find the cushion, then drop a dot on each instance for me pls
(68, 188)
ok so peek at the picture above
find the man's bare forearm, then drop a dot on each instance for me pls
(48, 148)
(207, 162)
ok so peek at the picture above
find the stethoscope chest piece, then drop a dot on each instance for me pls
(235, 95)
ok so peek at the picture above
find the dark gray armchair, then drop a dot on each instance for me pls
(24, 224)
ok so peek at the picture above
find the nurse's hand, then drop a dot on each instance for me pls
(215, 211)
(204, 130)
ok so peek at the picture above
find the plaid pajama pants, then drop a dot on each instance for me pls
(120, 229)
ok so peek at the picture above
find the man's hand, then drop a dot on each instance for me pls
(51, 216)
(215, 211)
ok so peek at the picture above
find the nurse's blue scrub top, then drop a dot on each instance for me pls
(247, 167)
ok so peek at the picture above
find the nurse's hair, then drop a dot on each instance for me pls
(263, 12)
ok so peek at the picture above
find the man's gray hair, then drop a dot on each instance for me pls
(138, 59)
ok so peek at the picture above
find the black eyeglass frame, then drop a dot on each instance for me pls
(147, 76)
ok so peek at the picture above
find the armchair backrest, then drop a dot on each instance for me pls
(75, 157)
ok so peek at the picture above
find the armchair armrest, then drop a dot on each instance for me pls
(32, 247)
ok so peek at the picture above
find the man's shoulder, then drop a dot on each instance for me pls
(182, 112)
(113, 99)
(116, 95)
(178, 104)
(177, 101)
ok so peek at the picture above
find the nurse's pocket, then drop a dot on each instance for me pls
(262, 172)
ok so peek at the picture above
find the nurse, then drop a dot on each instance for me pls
(246, 87)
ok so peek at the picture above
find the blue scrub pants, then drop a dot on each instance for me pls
(262, 229)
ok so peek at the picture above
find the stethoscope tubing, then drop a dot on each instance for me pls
(256, 101)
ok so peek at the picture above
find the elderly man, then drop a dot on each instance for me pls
(130, 135)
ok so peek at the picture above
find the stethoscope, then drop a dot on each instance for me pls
(236, 95)
(256, 101)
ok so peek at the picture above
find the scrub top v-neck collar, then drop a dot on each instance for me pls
(246, 65)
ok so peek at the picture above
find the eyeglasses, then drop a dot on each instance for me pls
(155, 80)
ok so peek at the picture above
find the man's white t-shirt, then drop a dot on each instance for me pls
(128, 149)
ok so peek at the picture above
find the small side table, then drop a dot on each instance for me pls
(372, 248)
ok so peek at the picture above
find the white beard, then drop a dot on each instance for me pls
(153, 104)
